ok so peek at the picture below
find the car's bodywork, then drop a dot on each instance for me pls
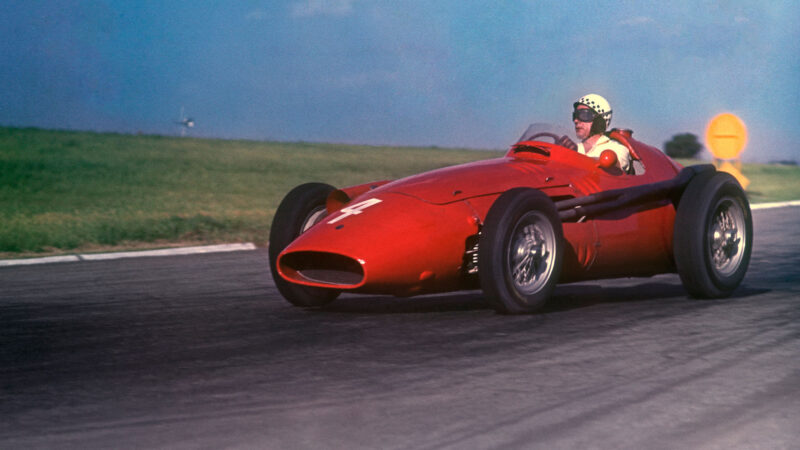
(421, 234)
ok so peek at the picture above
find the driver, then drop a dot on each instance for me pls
(592, 116)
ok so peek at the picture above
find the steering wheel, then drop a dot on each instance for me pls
(563, 141)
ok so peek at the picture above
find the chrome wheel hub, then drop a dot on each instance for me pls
(531, 253)
(725, 236)
(313, 217)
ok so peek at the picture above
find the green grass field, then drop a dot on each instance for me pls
(75, 191)
(66, 191)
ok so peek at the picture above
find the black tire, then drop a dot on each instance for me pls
(522, 229)
(302, 207)
(713, 235)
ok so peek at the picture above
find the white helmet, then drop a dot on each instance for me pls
(598, 104)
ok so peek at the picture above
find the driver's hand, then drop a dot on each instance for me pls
(565, 141)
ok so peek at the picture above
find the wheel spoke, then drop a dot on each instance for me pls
(725, 240)
(530, 256)
(521, 270)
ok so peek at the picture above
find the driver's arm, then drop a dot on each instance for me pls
(565, 141)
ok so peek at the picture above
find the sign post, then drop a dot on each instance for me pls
(726, 137)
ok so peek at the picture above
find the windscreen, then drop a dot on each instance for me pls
(544, 127)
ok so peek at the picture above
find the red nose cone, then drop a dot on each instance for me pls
(397, 244)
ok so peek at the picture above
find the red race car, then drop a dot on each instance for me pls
(514, 227)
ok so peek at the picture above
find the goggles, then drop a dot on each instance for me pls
(583, 115)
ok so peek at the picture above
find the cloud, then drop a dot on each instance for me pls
(638, 20)
(311, 8)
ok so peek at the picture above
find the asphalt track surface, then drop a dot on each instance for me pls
(200, 351)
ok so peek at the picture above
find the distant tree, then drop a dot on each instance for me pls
(683, 145)
(785, 162)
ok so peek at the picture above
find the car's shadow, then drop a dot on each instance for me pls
(575, 296)
(449, 302)
(566, 297)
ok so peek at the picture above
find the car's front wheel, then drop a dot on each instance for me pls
(302, 207)
(520, 251)
(713, 235)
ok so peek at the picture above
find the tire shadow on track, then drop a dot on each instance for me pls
(569, 297)
(566, 297)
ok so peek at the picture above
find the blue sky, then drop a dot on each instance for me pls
(447, 73)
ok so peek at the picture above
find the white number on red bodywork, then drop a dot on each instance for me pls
(358, 208)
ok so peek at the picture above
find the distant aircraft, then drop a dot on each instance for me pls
(185, 122)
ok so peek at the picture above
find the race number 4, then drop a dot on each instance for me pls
(355, 209)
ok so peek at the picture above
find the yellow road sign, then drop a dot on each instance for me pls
(731, 169)
(726, 136)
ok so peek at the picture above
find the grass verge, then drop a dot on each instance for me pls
(66, 191)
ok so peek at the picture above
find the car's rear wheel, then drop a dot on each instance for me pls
(520, 251)
(713, 235)
(302, 207)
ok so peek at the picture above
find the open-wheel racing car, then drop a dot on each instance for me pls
(514, 227)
